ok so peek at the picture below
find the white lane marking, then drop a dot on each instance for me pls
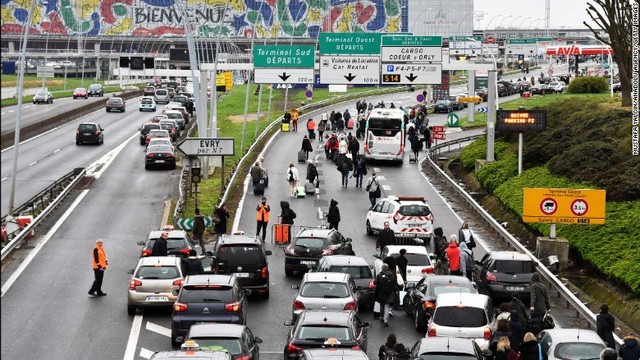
(130, 351)
(57, 151)
(385, 187)
(379, 177)
(4, 178)
(33, 163)
(146, 353)
(98, 168)
(158, 329)
(23, 266)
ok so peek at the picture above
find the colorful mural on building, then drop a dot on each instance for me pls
(268, 18)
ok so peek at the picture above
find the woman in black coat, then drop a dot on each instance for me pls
(530, 349)
(333, 216)
(606, 324)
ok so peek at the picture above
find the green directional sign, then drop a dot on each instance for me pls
(186, 224)
(465, 38)
(411, 40)
(521, 41)
(545, 39)
(350, 44)
(453, 120)
(284, 56)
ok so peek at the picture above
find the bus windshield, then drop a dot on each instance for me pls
(385, 127)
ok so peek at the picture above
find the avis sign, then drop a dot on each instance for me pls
(564, 206)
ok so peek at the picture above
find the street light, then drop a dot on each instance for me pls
(537, 22)
(610, 62)
(500, 25)
(531, 23)
(514, 20)
(522, 23)
(489, 23)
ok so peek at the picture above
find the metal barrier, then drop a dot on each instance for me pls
(581, 308)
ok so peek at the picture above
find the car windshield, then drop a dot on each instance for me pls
(234, 255)
(578, 351)
(41, 93)
(327, 290)
(115, 101)
(174, 116)
(156, 148)
(149, 127)
(414, 210)
(80, 89)
(356, 272)
(161, 92)
(309, 242)
(219, 293)
(442, 102)
(159, 133)
(87, 127)
(95, 87)
(146, 101)
(322, 333)
(161, 141)
(437, 290)
(514, 267)
(230, 344)
(166, 126)
(172, 244)
(446, 356)
(157, 272)
(460, 316)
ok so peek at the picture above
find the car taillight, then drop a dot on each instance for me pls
(178, 282)
(133, 283)
(396, 217)
(289, 250)
(180, 307)
(355, 347)
(97, 132)
(428, 270)
(351, 305)
(171, 155)
(491, 277)
(77, 132)
(431, 331)
(428, 305)
(293, 349)
(146, 252)
(372, 284)
(184, 251)
(264, 272)
(298, 305)
(487, 333)
(243, 357)
(232, 307)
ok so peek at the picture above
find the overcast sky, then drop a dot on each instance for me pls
(567, 13)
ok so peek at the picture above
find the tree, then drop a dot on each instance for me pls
(614, 17)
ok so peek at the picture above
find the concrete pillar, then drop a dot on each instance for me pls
(546, 247)
(12, 46)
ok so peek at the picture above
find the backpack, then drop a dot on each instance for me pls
(350, 165)
(389, 353)
(290, 178)
(387, 285)
(470, 264)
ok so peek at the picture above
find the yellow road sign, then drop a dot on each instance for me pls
(471, 99)
(564, 206)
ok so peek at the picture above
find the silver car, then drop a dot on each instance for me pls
(571, 344)
(325, 291)
(153, 282)
(161, 96)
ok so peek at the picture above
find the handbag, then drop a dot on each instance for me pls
(376, 307)
(548, 322)
(377, 193)
(215, 219)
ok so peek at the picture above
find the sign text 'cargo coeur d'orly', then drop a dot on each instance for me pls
(408, 59)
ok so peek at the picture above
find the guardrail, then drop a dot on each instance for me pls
(571, 299)
(39, 200)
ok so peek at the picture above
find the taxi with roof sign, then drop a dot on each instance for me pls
(408, 217)
(192, 351)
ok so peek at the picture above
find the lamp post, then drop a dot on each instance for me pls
(489, 23)
(531, 23)
(514, 20)
(537, 22)
(46, 48)
(500, 25)
(610, 63)
(476, 13)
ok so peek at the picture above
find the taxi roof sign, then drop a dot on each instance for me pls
(332, 342)
(189, 345)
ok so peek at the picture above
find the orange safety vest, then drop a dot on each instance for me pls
(263, 214)
(98, 252)
(311, 125)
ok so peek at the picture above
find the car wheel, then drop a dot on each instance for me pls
(173, 167)
(106, 110)
(77, 142)
(101, 141)
(174, 342)
(140, 110)
(417, 322)
(288, 272)
(146, 166)
(131, 310)
(74, 98)
(369, 229)
(265, 295)
(405, 304)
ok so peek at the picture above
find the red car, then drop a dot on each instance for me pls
(157, 134)
(80, 93)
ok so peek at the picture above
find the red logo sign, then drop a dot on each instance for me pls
(438, 129)
(439, 136)
(548, 206)
(490, 40)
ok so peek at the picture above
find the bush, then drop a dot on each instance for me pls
(478, 150)
(496, 173)
(588, 85)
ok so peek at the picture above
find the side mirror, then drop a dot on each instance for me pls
(257, 340)
(288, 323)
(295, 287)
(487, 354)
(130, 271)
(141, 243)
(432, 256)
(268, 252)
(248, 292)
(348, 240)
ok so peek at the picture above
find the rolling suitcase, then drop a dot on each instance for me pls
(300, 192)
(259, 188)
(281, 235)
(265, 178)
(350, 124)
(302, 156)
(310, 188)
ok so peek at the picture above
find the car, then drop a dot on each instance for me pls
(325, 291)
(509, 87)
(558, 87)
(540, 89)
(359, 270)
(153, 281)
(503, 90)
(147, 104)
(443, 106)
(331, 352)
(161, 96)
(178, 243)
(172, 92)
(465, 316)
(483, 93)
(315, 329)
(158, 118)
(208, 298)
(89, 132)
(245, 257)
(420, 299)
(419, 263)
(191, 350)
(409, 217)
(570, 344)
(448, 347)
(310, 244)
(144, 130)
(166, 141)
(502, 274)
(80, 93)
(456, 103)
(158, 134)
(95, 90)
(115, 103)
(236, 339)
(181, 99)
(149, 91)
(171, 126)
(160, 155)
(177, 116)
(172, 84)
(43, 97)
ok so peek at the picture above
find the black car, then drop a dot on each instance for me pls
(456, 103)
(178, 243)
(483, 93)
(310, 245)
(236, 339)
(420, 300)
(359, 270)
(115, 103)
(160, 155)
(95, 90)
(501, 274)
(443, 106)
(317, 329)
(445, 347)
(172, 127)
(245, 257)
(144, 131)
(89, 132)
(208, 298)
(510, 87)
(149, 91)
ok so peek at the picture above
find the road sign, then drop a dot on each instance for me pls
(550, 72)
(406, 74)
(410, 40)
(439, 136)
(308, 93)
(344, 70)
(283, 76)
(471, 99)
(207, 146)
(187, 223)
(45, 71)
(453, 120)
(438, 129)
(482, 109)
(350, 43)
(411, 54)
(490, 39)
(521, 120)
(284, 56)
(564, 206)
(420, 98)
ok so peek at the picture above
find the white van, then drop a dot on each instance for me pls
(162, 96)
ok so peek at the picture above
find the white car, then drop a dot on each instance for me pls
(408, 217)
(419, 263)
(147, 104)
(571, 344)
(558, 86)
(463, 315)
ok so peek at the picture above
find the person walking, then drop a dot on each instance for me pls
(334, 147)
(453, 255)
(198, 230)
(262, 218)
(343, 146)
(286, 216)
(530, 349)
(385, 238)
(333, 216)
(160, 246)
(292, 179)
(312, 172)
(306, 147)
(439, 243)
(629, 350)
(339, 122)
(345, 167)
(347, 117)
(192, 265)
(362, 123)
(517, 330)
(100, 262)
(256, 173)
(220, 227)
(354, 147)
(385, 283)
(416, 145)
(467, 264)
(465, 235)
(388, 349)
(605, 326)
(359, 169)
(504, 350)
(311, 128)
(539, 299)
(518, 306)
(401, 263)
(294, 120)
(322, 126)
(373, 188)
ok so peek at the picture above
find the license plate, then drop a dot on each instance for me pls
(86, 134)
(159, 161)
(157, 298)
(242, 275)
(307, 262)
(415, 225)
(515, 288)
